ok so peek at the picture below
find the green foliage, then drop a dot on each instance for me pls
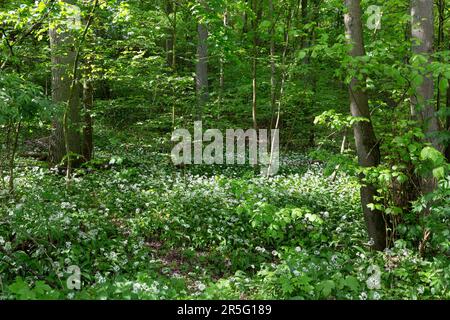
(21, 100)
(140, 228)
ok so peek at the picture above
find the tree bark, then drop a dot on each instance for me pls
(272, 63)
(88, 131)
(367, 146)
(422, 33)
(174, 37)
(447, 148)
(255, 23)
(304, 20)
(63, 54)
(222, 62)
(422, 107)
(171, 38)
(440, 44)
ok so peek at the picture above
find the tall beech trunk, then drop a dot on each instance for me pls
(422, 106)
(63, 54)
(201, 70)
(367, 146)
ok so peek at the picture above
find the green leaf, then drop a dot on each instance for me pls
(439, 172)
(351, 282)
(430, 153)
(443, 85)
(326, 287)
(21, 290)
(301, 54)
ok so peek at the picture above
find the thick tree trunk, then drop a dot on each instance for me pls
(366, 143)
(422, 107)
(202, 69)
(63, 58)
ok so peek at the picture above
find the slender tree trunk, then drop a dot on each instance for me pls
(174, 37)
(88, 103)
(422, 107)
(254, 68)
(254, 90)
(169, 33)
(273, 70)
(440, 44)
(13, 157)
(447, 148)
(245, 20)
(171, 36)
(202, 69)
(447, 104)
(315, 11)
(304, 20)
(222, 62)
(367, 146)
(255, 22)
(4, 156)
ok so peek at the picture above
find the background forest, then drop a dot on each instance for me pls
(92, 207)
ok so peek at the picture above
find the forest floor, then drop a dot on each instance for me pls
(141, 228)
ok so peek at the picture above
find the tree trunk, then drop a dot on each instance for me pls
(440, 44)
(272, 63)
(202, 69)
(422, 107)
(367, 146)
(222, 62)
(88, 103)
(174, 37)
(304, 21)
(63, 57)
(171, 37)
(447, 148)
(255, 23)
